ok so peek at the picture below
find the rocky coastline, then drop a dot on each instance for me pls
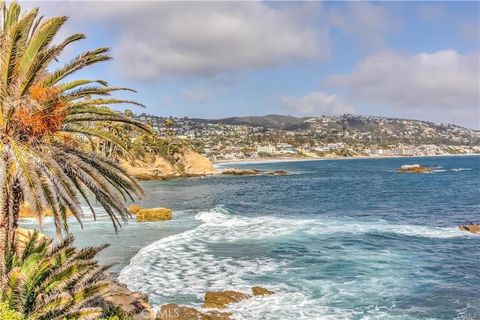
(186, 163)
(137, 307)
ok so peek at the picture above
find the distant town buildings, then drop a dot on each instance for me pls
(345, 135)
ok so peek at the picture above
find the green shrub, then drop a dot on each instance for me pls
(7, 314)
(63, 282)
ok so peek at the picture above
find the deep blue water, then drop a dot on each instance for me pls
(339, 239)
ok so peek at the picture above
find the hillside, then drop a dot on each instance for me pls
(345, 128)
(272, 121)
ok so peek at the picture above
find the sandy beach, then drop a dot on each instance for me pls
(220, 163)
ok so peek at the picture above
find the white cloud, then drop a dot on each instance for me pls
(442, 85)
(152, 39)
(192, 38)
(315, 103)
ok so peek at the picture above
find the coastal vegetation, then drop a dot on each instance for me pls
(55, 131)
(45, 281)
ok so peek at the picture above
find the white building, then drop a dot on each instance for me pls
(266, 149)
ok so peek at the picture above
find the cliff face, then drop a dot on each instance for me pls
(186, 163)
(193, 163)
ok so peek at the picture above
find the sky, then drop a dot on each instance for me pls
(416, 60)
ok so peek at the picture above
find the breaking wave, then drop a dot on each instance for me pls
(231, 252)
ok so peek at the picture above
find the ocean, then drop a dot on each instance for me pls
(334, 239)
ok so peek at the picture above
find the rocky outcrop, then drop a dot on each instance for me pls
(241, 172)
(26, 211)
(185, 163)
(154, 214)
(193, 163)
(472, 227)
(135, 304)
(415, 168)
(213, 299)
(177, 312)
(220, 299)
(133, 208)
(157, 168)
(260, 291)
(253, 172)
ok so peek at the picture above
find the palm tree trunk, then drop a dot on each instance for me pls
(17, 200)
(9, 218)
(5, 227)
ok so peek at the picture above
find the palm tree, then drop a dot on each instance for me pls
(45, 118)
(46, 282)
(170, 133)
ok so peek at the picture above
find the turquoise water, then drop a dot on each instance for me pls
(345, 239)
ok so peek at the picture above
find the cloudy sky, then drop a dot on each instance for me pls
(216, 59)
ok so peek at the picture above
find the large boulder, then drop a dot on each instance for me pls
(415, 168)
(177, 312)
(260, 291)
(220, 299)
(472, 227)
(135, 304)
(133, 208)
(154, 214)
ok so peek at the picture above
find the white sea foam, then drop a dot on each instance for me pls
(461, 169)
(184, 264)
(336, 227)
(182, 267)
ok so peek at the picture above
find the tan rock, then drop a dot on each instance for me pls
(260, 291)
(415, 168)
(156, 169)
(191, 162)
(133, 208)
(177, 312)
(221, 299)
(135, 304)
(154, 214)
(26, 211)
(472, 227)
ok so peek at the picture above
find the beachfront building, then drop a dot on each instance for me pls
(266, 149)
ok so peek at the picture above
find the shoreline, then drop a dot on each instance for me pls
(221, 163)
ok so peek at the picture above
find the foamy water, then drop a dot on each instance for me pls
(184, 266)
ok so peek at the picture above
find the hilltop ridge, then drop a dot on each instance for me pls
(273, 121)
(344, 135)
